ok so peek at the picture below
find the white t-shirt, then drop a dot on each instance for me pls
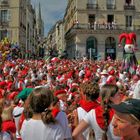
(81, 114)
(17, 111)
(62, 119)
(90, 118)
(37, 130)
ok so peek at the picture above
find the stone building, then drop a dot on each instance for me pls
(92, 27)
(17, 22)
(55, 39)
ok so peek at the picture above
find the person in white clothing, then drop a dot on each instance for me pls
(42, 125)
(100, 118)
(61, 117)
(17, 111)
(90, 92)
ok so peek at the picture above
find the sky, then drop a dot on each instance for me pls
(52, 11)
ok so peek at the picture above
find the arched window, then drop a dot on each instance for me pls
(91, 47)
(110, 48)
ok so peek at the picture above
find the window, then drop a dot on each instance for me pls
(4, 15)
(92, 1)
(110, 4)
(128, 2)
(128, 21)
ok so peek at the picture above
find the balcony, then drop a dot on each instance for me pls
(111, 6)
(129, 7)
(4, 24)
(4, 3)
(101, 28)
(92, 6)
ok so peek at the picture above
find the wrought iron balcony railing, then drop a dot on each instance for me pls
(129, 7)
(107, 27)
(4, 23)
(92, 6)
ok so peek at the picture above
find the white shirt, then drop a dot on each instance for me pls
(17, 111)
(37, 130)
(62, 119)
(90, 118)
(81, 114)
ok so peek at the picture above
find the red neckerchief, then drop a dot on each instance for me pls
(88, 105)
(100, 118)
(55, 111)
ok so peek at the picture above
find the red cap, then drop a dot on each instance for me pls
(59, 92)
(12, 95)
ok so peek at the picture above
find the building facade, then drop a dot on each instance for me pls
(59, 28)
(92, 27)
(17, 23)
(55, 40)
(40, 33)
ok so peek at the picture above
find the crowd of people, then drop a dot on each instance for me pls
(62, 99)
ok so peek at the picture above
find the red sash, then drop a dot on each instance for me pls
(100, 118)
(88, 105)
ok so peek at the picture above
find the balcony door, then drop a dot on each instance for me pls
(110, 18)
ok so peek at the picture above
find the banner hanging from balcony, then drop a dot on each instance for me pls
(129, 63)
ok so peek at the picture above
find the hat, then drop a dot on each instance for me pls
(130, 106)
(24, 93)
(130, 38)
(104, 72)
(59, 92)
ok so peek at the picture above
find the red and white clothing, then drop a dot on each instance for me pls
(17, 111)
(96, 121)
(21, 85)
(82, 111)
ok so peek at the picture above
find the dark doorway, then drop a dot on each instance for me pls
(110, 48)
(91, 48)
